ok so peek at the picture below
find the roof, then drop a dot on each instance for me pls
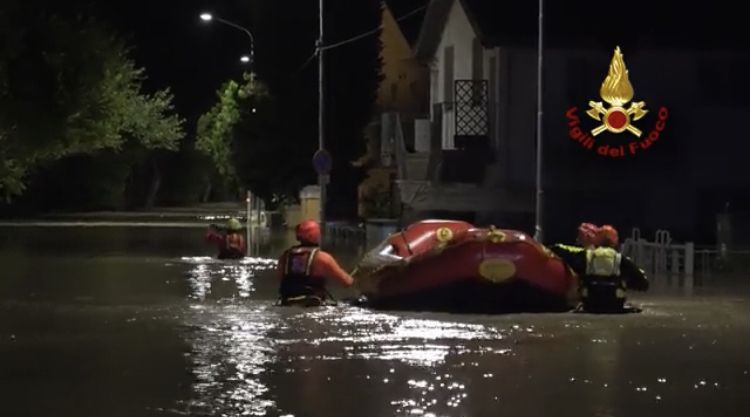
(637, 23)
(411, 25)
(436, 16)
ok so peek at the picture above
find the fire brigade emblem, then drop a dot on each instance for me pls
(617, 91)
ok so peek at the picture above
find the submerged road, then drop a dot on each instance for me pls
(142, 322)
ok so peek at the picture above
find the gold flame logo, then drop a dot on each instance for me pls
(617, 91)
(616, 88)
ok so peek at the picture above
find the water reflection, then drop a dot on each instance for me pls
(206, 271)
(230, 353)
(240, 353)
(230, 347)
(420, 342)
(421, 362)
(428, 396)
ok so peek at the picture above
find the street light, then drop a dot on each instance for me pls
(208, 17)
(539, 212)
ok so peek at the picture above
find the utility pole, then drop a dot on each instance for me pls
(321, 123)
(538, 229)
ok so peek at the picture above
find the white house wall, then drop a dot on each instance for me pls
(459, 33)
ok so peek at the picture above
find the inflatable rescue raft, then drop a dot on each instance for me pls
(451, 265)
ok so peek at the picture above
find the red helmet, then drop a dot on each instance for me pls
(587, 234)
(608, 236)
(308, 232)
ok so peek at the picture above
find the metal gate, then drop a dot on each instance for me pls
(472, 116)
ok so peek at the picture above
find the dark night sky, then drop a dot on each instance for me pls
(182, 52)
(178, 49)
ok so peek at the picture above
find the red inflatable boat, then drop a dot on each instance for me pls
(453, 266)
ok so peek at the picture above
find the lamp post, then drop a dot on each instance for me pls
(538, 229)
(321, 120)
(248, 59)
(245, 59)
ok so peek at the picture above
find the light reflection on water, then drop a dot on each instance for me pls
(230, 347)
(207, 270)
(388, 337)
(230, 355)
(237, 348)
(234, 350)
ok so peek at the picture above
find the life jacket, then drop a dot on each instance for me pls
(603, 262)
(298, 280)
(233, 246)
(602, 287)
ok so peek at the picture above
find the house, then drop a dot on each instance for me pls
(404, 90)
(471, 173)
(482, 58)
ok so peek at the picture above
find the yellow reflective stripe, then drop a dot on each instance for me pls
(570, 248)
(310, 258)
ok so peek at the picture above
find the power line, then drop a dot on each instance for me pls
(371, 32)
(353, 39)
(307, 62)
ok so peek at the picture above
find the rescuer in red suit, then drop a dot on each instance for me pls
(304, 269)
(229, 239)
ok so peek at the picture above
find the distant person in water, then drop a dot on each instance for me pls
(228, 239)
(304, 269)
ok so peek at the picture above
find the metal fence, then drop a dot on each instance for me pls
(662, 259)
(685, 264)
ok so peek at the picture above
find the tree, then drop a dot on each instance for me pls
(272, 148)
(68, 87)
(218, 129)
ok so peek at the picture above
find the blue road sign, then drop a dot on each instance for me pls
(322, 162)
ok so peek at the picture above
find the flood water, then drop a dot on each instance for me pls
(142, 322)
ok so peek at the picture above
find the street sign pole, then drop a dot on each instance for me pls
(249, 223)
(322, 163)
